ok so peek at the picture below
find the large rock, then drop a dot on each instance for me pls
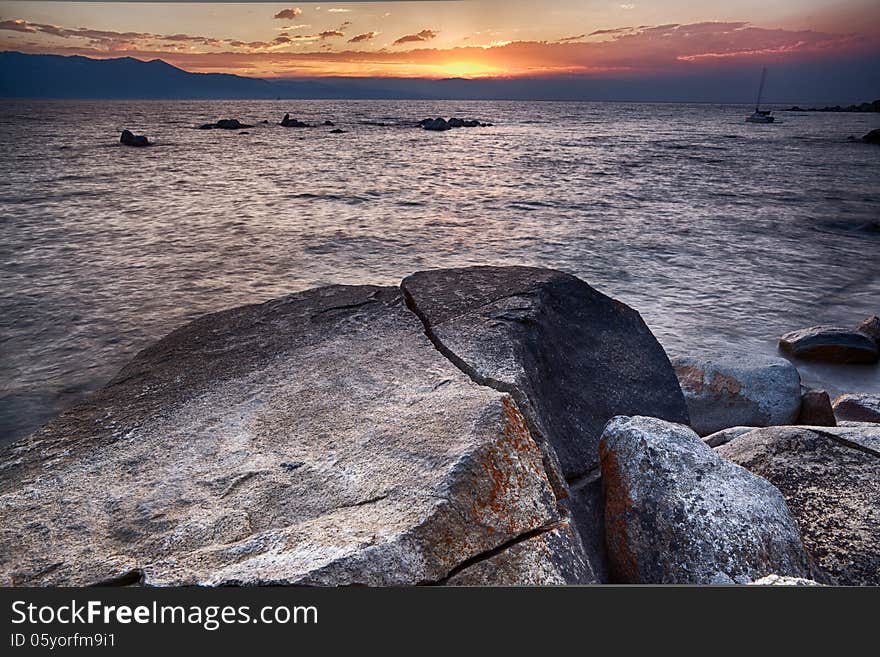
(830, 343)
(316, 439)
(730, 390)
(551, 557)
(571, 357)
(675, 512)
(830, 478)
(857, 408)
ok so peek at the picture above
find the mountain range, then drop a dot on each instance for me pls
(56, 76)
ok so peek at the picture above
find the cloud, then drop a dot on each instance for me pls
(577, 37)
(331, 34)
(339, 11)
(288, 14)
(366, 36)
(17, 25)
(424, 35)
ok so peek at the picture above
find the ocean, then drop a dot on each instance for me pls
(722, 234)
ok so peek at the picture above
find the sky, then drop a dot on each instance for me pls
(454, 38)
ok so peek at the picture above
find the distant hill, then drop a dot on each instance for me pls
(55, 76)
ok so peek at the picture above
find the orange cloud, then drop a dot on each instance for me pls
(424, 35)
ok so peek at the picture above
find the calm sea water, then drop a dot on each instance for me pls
(722, 234)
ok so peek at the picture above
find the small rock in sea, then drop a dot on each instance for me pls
(857, 408)
(338, 131)
(832, 344)
(731, 390)
(816, 409)
(872, 137)
(225, 124)
(830, 478)
(128, 138)
(871, 328)
(288, 122)
(724, 436)
(675, 512)
(329, 123)
(244, 133)
(440, 124)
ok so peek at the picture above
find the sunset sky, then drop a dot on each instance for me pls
(467, 38)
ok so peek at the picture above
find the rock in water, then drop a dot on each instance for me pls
(128, 138)
(816, 409)
(571, 357)
(225, 124)
(857, 408)
(830, 343)
(872, 137)
(732, 390)
(675, 512)
(315, 439)
(830, 478)
(870, 327)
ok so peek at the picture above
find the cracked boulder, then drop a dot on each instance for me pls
(571, 357)
(315, 439)
(830, 478)
(675, 512)
(550, 558)
(730, 390)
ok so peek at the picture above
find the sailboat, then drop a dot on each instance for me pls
(760, 116)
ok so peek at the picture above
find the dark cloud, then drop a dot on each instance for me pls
(424, 35)
(286, 14)
(616, 30)
(577, 37)
(331, 34)
(17, 26)
(366, 36)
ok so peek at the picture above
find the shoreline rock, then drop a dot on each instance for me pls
(830, 478)
(675, 512)
(730, 390)
(833, 344)
(857, 408)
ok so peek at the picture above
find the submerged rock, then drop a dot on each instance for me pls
(816, 409)
(288, 122)
(730, 390)
(870, 326)
(315, 439)
(830, 343)
(857, 408)
(225, 124)
(338, 131)
(128, 138)
(441, 124)
(830, 478)
(675, 512)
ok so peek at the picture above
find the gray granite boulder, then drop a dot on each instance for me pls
(830, 478)
(857, 408)
(675, 512)
(724, 436)
(779, 580)
(730, 390)
(830, 343)
(550, 558)
(315, 439)
(571, 357)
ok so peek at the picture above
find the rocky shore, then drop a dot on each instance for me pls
(487, 425)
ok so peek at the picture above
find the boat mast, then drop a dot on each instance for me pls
(760, 88)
